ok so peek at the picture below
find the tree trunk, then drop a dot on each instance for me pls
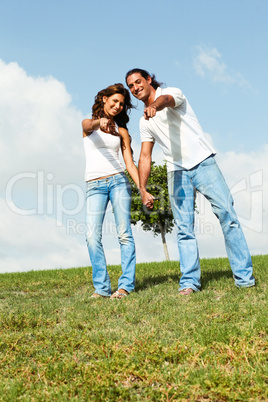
(163, 235)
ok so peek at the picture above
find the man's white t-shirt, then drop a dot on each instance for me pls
(178, 132)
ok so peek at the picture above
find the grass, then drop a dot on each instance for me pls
(58, 344)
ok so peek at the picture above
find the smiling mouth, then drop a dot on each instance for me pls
(138, 92)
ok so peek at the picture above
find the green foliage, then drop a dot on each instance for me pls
(56, 343)
(160, 219)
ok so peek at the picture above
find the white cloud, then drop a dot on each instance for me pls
(42, 164)
(208, 63)
(41, 129)
(36, 242)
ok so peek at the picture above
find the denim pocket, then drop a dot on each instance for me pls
(121, 178)
(91, 185)
(123, 183)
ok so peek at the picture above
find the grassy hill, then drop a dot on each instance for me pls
(58, 344)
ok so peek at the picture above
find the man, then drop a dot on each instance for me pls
(169, 119)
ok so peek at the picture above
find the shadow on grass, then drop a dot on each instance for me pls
(210, 276)
(206, 279)
(151, 281)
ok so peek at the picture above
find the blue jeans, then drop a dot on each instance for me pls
(207, 178)
(118, 190)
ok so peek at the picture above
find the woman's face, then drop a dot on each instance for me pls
(113, 105)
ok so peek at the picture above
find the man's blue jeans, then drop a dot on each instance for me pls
(209, 181)
(118, 190)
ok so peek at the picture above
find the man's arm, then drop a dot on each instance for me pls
(159, 104)
(144, 172)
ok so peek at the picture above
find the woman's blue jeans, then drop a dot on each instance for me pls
(209, 181)
(99, 192)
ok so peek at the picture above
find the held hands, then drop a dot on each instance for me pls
(149, 112)
(147, 199)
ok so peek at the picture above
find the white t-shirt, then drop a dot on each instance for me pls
(102, 155)
(178, 132)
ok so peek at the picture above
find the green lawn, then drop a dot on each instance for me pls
(56, 343)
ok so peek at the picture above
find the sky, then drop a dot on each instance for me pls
(54, 58)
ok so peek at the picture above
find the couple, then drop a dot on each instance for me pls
(168, 119)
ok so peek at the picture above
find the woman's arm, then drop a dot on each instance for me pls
(126, 151)
(90, 125)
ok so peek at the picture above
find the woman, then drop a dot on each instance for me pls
(103, 136)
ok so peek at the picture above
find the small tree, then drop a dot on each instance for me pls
(159, 220)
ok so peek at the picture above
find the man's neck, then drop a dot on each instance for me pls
(151, 98)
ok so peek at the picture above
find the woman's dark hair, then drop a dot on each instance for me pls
(98, 108)
(155, 84)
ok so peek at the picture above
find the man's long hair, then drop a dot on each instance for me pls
(98, 108)
(155, 84)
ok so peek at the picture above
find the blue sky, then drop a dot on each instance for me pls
(56, 55)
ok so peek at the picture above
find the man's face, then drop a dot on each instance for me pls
(139, 86)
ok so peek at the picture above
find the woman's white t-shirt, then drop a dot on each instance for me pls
(102, 155)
